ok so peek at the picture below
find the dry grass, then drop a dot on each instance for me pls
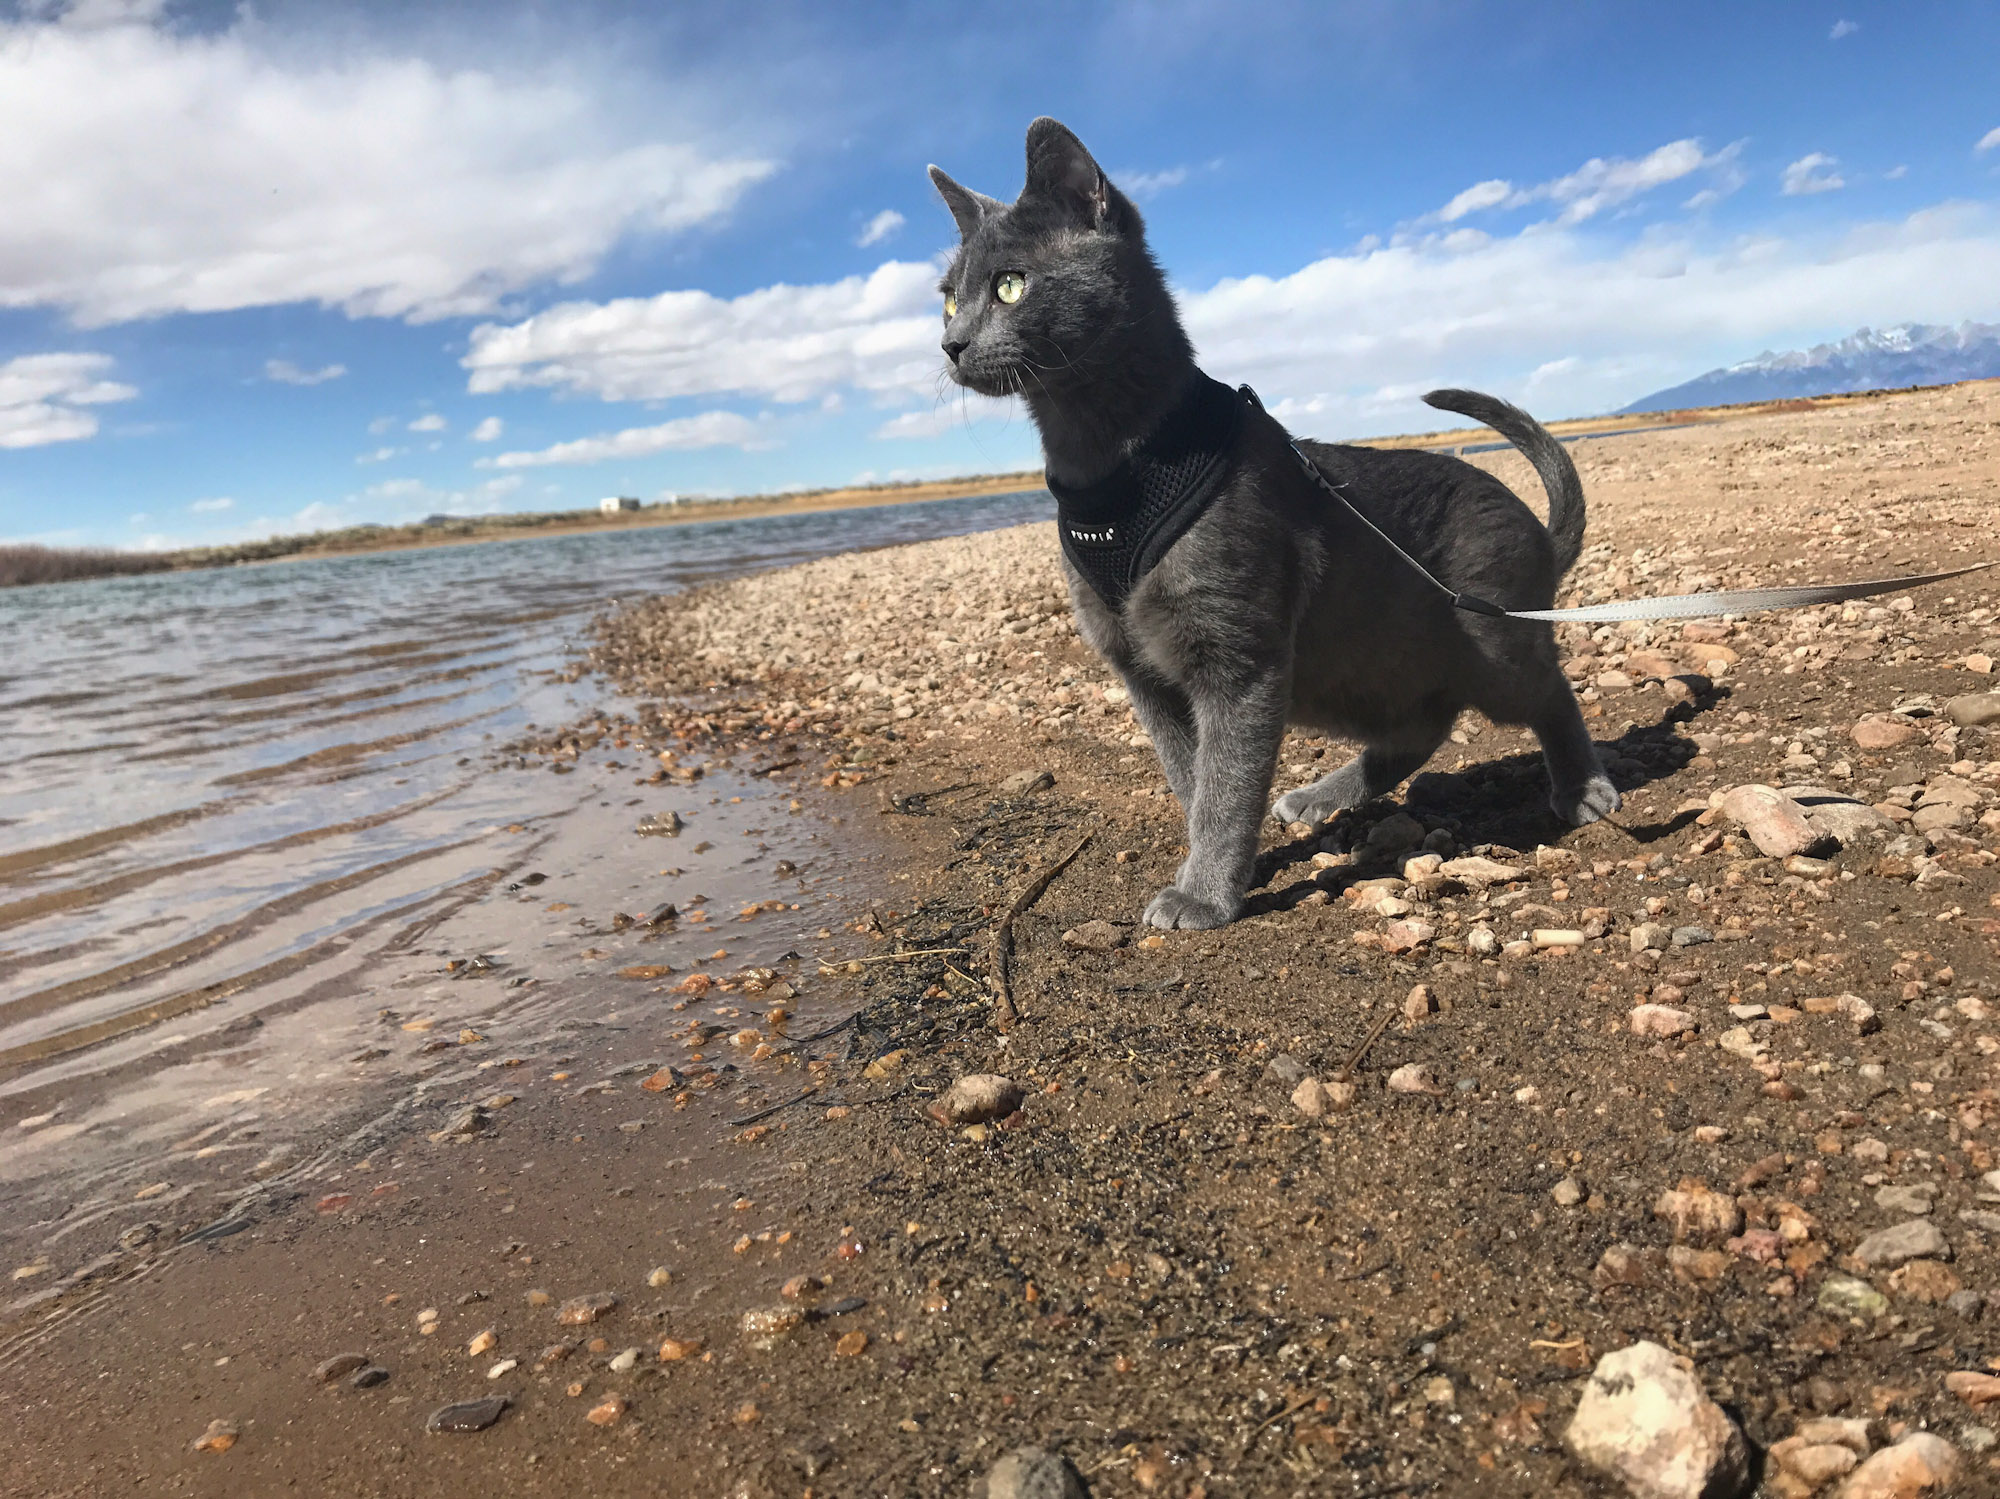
(39, 564)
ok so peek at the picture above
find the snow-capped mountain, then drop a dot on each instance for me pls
(1913, 354)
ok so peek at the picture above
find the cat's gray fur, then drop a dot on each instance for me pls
(1276, 607)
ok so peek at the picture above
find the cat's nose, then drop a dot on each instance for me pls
(953, 347)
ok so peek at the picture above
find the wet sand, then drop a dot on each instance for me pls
(1162, 1267)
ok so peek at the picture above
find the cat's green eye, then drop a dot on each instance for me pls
(950, 305)
(1010, 286)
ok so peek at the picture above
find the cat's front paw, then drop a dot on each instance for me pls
(1595, 798)
(1173, 907)
(1322, 800)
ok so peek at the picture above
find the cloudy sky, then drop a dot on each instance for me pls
(277, 266)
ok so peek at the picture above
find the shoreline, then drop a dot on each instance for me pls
(1165, 1266)
(473, 530)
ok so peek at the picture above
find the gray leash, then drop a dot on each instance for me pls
(1677, 606)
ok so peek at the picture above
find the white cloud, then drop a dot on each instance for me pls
(379, 455)
(44, 397)
(1989, 140)
(213, 507)
(1898, 172)
(1811, 174)
(380, 185)
(1598, 184)
(286, 373)
(1150, 184)
(948, 417)
(429, 422)
(879, 228)
(789, 343)
(1480, 196)
(1355, 337)
(710, 429)
(488, 430)
(1843, 28)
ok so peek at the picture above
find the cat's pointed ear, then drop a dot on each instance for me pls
(967, 207)
(1062, 172)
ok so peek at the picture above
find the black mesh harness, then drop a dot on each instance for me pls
(1116, 530)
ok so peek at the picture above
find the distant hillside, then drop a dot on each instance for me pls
(1913, 354)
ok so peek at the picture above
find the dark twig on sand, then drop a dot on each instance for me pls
(1003, 937)
(1347, 1069)
(773, 1109)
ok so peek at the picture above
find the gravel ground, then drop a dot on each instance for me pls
(1190, 1272)
(1348, 1198)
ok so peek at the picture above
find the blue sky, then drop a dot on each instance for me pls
(293, 265)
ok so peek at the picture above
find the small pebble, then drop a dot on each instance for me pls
(340, 1365)
(467, 1415)
(220, 1437)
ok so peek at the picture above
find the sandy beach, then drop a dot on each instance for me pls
(1347, 1198)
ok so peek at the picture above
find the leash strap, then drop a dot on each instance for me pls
(1678, 606)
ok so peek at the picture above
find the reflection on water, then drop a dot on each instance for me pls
(213, 780)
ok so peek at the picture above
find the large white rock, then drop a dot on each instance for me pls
(1645, 1419)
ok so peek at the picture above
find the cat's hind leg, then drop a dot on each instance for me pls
(1376, 771)
(1579, 790)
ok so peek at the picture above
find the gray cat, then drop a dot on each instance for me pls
(1275, 606)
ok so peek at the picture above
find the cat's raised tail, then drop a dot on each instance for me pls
(1539, 447)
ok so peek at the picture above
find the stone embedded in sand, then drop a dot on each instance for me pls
(1031, 1473)
(660, 825)
(1478, 872)
(1407, 935)
(1093, 936)
(1814, 1464)
(1395, 833)
(1917, 1239)
(1482, 942)
(368, 1378)
(1772, 820)
(673, 1350)
(1699, 1214)
(1548, 937)
(1660, 1020)
(1842, 818)
(1629, 1265)
(1881, 731)
(1921, 1465)
(1027, 782)
(467, 1415)
(1974, 709)
(764, 1326)
(1419, 1004)
(1415, 1077)
(1926, 1281)
(606, 1412)
(850, 1344)
(340, 1365)
(1975, 1389)
(1650, 934)
(977, 1098)
(1851, 1298)
(578, 1310)
(1645, 1419)
(220, 1437)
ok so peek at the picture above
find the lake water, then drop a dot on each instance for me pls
(213, 782)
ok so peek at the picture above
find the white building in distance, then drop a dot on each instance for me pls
(612, 504)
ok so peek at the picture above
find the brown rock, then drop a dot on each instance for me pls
(220, 1437)
(1975, 1389)
(1659, 1020)
(1974, 710)
(1699, 1214)
(1919, 1466)
(581, 1309)
(1093, 936)
(606, 1412)
(1881, 731)
(337, 1367)
(851, 1344)
(1925, 1280)
(1406, 936)
(673, 1350)
(976, 1098)
(1414, 1077)
(1817, 1464)
(1771, 819)
(1629, 1265)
